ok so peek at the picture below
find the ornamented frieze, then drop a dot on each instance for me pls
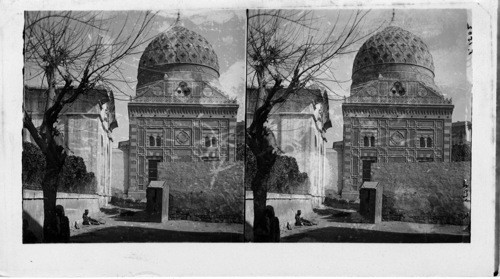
(392, 112)
(397, 100)
(164, 111)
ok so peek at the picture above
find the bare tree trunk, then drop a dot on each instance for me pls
(49, 186)
(259, 205)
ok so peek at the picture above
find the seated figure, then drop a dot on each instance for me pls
(87, 220)
(299, 221)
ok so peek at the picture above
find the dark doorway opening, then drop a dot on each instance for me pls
(153, 169)
(367, 168)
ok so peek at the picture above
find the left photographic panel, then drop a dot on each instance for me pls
(133, 126)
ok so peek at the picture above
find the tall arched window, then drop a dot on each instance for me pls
(429, 142)
(372, 141)
(422, 142)
(207, 141)
(366, 141)
(151, 141)
(158, 141)
(214, 141)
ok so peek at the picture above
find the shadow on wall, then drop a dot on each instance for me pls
(141, 234)
(33, 226)
(353, 235)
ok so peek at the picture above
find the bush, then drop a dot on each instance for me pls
(423, 192)
(240, 152)
(33, 166)
(74, 177)
(460, 152)
(206, 191)
(285, 175)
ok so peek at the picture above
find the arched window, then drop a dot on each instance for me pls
(422, 142)
(151, 141)
(158, 141)
(372, 141)
(207, 141)
(366, 141)
(214, 141)
(429, 142)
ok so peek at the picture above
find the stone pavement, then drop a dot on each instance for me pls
(130, 225)
(346, 225)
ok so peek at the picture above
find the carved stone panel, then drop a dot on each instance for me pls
(397, 138)
(397, 123)
(368, 123)
(182, 123)
(425, 123)
(182, 137)
(210, 124)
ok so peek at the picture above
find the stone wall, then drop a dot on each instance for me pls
(332, 171)
(285, 207)
(119, 173)
(74, 206)
(207, 191)
(423, 192)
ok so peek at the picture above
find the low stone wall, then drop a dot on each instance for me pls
(285, 207)
(424, 192)
(74, 206)
(206, 191)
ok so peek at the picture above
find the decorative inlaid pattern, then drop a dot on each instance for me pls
(393, 45)
(179, 45)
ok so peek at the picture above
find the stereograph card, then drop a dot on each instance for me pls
(248, 138)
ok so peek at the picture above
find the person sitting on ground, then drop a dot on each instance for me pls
(87, 220)
(299, 221)
(274, 225)
(62, 225)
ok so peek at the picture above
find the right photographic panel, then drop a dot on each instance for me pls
(358, 126)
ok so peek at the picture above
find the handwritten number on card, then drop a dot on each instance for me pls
(469, 38)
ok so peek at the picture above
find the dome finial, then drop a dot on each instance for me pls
(393, 16)
(178, 17)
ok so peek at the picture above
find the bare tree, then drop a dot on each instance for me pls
(73, 53)
(288, 50)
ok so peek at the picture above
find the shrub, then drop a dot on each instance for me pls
(460, 152)
(74, 177)
(285, 175)
(33, 166)
(240, 152)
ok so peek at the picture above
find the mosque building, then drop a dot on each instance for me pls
(395, 111)
(180, 113)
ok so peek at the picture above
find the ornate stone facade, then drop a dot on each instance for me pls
(395, 112)
(180, 113)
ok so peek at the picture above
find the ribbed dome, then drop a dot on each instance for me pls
(393, 45)
(178, 46)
